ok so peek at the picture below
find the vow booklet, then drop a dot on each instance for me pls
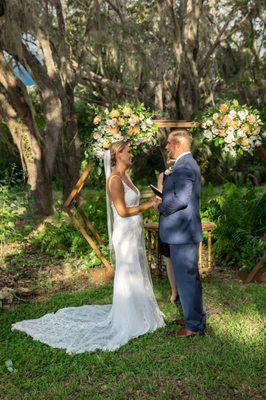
(156, 191)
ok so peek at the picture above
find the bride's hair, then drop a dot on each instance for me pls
(115, 148)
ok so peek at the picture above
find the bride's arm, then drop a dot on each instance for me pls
(117, 194)
(160, 182)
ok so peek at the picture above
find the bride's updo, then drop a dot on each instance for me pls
(115, 148)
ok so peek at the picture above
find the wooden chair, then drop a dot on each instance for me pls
(152, 229)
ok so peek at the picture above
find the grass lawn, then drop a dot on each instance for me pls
(225, 364)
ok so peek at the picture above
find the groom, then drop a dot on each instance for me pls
(180, 226)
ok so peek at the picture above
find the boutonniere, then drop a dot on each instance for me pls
(168, 171)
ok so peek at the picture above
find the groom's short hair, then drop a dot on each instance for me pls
(182, 135)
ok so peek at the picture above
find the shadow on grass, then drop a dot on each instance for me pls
(227, 363)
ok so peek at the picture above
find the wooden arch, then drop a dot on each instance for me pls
(93, 239)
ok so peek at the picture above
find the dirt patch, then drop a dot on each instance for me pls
(34, 274)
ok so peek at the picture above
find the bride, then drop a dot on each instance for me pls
(134, 310)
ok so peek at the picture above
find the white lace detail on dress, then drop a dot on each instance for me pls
(134, 311)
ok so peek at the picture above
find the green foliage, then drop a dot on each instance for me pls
(61, 238)
(9, 160)
(12, 205)
(238, 212)
(240, 215)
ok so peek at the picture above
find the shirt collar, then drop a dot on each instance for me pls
(181, 155)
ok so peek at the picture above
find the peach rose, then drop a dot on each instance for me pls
(244, 142)
(233, 124)
(127, 111)
(245, 128)
(97, 120)
(106, 145)
(251, 119)
(114, 114)
(120, 122)
(114, 131)
(256, 131)
(226, 120)
(136, 129)
(135, 118)
(223, 108)
(221, 133)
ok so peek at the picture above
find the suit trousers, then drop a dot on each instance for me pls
(184, 258)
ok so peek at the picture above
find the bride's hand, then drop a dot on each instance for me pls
(155, 202)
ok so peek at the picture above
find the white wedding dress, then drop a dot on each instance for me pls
(134, 311)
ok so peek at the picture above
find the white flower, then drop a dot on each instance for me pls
(208, 135)
(263, 134)
(242, 114)
(111, 122)
(215, 116)
(141, 117)
(168, 171)
(258, 143)
(149, 122)
(99, 153)
(232, 114)
(143, 126)
(230, 131)
(229, 138)
(97, 136)
(132, 122)
(240, 133)
(233, 152)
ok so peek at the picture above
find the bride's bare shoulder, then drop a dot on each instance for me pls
(115, 180)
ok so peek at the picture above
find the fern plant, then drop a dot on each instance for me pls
(240, 214)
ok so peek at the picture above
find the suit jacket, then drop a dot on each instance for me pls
(179, 211)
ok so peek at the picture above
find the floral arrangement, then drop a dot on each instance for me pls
(235, 128)
(125, 122)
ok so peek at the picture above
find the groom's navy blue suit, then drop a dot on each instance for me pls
(180, 226)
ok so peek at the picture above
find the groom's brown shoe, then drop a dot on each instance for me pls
(179, 322)
(187, 333)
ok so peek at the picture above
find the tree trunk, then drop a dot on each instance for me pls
(16, 111)
(188, 90)
(68, 157)
(31, 157)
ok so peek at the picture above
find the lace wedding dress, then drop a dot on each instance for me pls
(134, 311)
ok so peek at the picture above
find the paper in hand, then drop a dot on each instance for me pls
(156, 191)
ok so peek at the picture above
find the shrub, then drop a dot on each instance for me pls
(13, 204)
(61, 238)
(240, 214)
